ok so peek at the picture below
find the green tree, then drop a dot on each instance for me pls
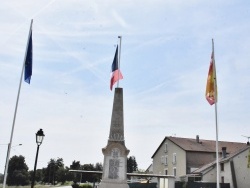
(91, 177)
(98, 167)
(1, 178)
(18, 171)
(39, 175)
(69, 175)
(62, 174)
(97, 177)
(76, 166)
(52, 173)
(131, 164)
(86, 176)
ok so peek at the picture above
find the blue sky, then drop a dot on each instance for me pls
(165, 55)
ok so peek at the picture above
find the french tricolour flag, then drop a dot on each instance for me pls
(115, 72)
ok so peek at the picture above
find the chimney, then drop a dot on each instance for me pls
(197, 139)
(224, 152)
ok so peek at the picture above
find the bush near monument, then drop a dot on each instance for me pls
(76, 185)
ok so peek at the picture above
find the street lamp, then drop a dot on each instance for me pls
(39, 139)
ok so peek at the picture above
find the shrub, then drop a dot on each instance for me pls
(76, 185)
(85, 186)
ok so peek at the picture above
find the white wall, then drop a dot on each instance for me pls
(180, 165)
(241, 171)
(227, 174)
(210, 176)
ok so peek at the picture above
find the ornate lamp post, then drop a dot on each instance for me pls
(39, 139)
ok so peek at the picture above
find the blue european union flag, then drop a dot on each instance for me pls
(28, 61)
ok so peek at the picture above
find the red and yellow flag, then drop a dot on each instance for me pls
(211, 89)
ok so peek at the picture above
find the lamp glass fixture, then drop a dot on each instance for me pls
(39, 137)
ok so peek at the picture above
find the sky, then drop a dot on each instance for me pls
(165, 53)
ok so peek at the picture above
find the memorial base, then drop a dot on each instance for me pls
(113, 185)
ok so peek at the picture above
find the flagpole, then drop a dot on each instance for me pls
(216, 118)
(14, 119)
(119, 60)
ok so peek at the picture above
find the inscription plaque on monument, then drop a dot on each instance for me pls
(114, 168)
(114, 164)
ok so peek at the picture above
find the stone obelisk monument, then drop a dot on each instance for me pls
(115, 153)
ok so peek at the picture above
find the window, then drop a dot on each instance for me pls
(222, 179)
(166, 160)
(174, 158)
(222, 167)
(166, 171)
(162, 159)
(174, 171)
(166, 147)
